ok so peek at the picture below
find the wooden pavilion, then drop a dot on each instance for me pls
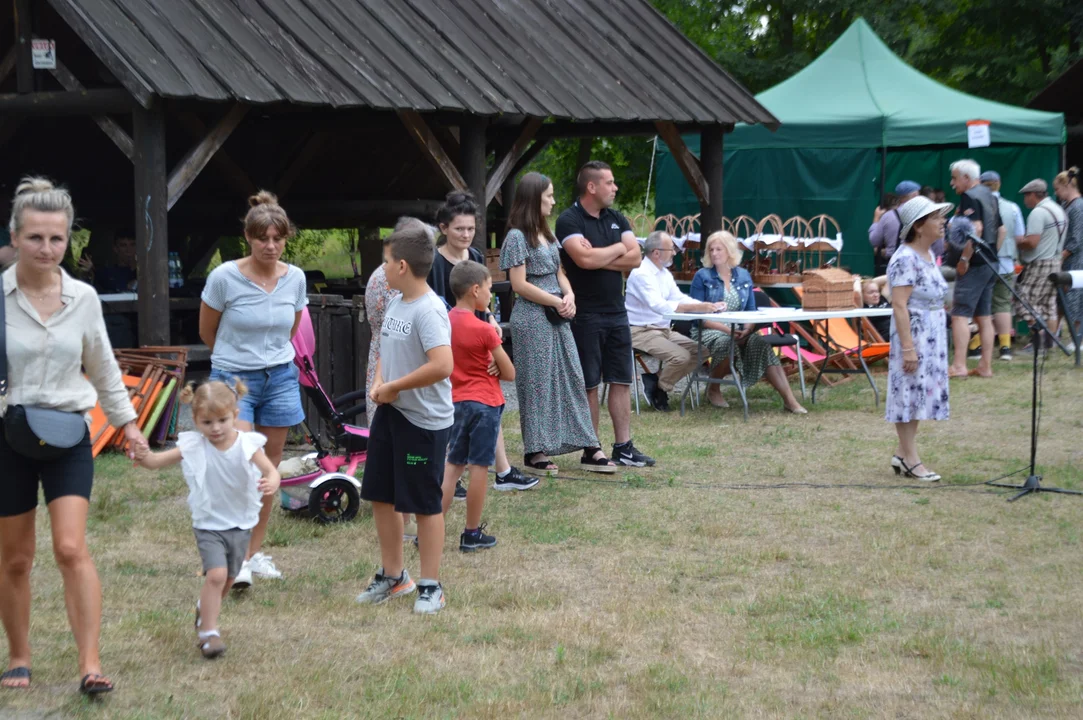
(353, 111)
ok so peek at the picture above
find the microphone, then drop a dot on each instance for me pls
(990, 251)
(1072, 279)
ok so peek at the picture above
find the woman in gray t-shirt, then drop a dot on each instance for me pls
(250, 311)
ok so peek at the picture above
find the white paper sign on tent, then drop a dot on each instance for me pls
(977, 133)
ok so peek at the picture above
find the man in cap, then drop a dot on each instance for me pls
(1040, 251)
(884, 231)
(1007, 254)
(973, 296)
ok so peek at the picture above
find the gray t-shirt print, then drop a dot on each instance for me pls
(410, 330)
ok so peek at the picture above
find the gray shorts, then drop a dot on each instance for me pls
(974, 292)
(222, 549)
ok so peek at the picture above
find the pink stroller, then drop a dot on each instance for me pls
(326, 488)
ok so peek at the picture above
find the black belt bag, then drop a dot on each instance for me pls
(33, 432)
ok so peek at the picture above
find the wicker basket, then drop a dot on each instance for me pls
(492, 261)
(827, 289)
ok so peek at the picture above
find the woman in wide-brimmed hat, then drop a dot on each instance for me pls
(918, 365)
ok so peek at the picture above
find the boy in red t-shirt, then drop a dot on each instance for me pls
(476, 393)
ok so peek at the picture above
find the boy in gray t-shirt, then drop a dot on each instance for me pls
(409, 434)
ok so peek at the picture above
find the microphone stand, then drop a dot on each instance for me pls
(1039, 327)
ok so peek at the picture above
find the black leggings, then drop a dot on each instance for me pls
(70, 474)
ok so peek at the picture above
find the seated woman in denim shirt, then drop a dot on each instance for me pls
(721, 280)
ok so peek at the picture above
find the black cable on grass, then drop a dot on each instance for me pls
(779, 486)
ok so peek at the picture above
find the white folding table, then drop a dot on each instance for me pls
(766, 316)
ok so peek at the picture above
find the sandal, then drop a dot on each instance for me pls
(927, 476)
(591, 463)
(16, 673)
(546, 465)
(95, 684)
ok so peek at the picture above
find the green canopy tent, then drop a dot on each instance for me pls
(856, 118)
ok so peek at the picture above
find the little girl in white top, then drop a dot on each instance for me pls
(227, 472)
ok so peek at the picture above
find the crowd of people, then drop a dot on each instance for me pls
(437, 361)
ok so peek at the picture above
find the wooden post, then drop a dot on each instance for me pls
(151, 217)
(710, 160)
(24, 60)
(370, 249)
(472, 165)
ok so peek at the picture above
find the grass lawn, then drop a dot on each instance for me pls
(771, 569)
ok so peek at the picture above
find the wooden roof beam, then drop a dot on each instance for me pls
(528, 157)
(232, 172)
(197, 158)
(110, 127)
(686, 161)
(83, 102)
(434, 152)
(301, 160)
(503, 167)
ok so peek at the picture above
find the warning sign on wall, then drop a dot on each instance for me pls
(44, 54)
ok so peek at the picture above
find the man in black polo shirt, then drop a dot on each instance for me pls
(597, 247)
(973, 296)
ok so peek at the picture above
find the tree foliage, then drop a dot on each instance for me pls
(1004, 50)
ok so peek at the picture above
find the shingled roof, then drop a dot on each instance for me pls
(588, 60)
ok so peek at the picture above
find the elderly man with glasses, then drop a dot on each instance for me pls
(650, 294)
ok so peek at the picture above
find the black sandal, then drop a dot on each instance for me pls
(544, 465)
(16, 673)
(95, 684)
(599, 465)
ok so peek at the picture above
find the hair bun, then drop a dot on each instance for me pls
(263, 197)
(459, 197)
(34, 185)
(1073, 172)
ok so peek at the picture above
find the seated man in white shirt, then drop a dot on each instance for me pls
(651, 292)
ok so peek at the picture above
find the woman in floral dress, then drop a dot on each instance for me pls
(553, 410)
(917, 387)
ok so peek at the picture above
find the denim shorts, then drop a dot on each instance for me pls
(473, 436)
(274, 395)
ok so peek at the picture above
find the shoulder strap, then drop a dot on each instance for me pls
(3, 341)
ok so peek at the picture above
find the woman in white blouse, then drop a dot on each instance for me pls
(54, 330)
(251, 309)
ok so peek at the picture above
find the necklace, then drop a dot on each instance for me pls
(42, 297)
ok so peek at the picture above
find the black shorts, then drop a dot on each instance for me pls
(405, 464)
(70, 474)
(604, 342)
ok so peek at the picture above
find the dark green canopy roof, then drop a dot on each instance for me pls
(860, 94)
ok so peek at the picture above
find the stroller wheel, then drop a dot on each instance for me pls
(334, 501)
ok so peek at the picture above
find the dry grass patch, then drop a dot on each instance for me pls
(775, 568)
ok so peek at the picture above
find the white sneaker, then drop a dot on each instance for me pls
(430, 599)
(244, 578)
(262, 567)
